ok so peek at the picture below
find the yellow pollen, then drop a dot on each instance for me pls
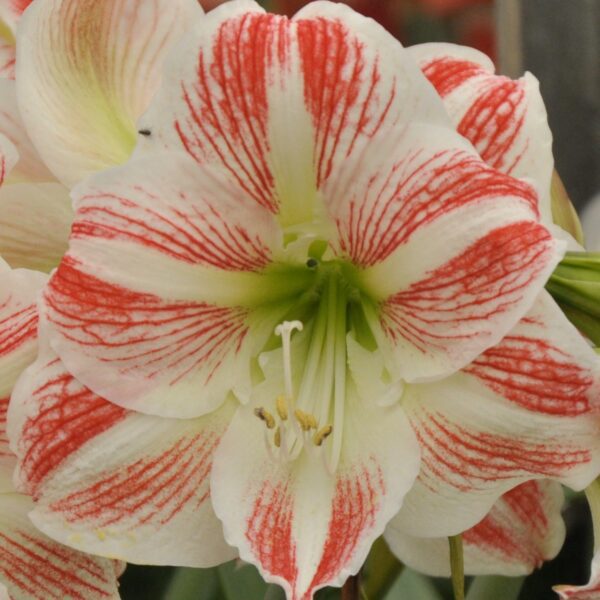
(277, 438)
(101, 535)
(266, 416)
(306, 420)
(282, 410)
(322, 435)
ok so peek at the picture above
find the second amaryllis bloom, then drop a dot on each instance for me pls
(265, 313)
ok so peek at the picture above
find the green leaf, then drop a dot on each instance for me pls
(412, 586)
(380, 571)
(240, 580)
(485, 588)
(193, 584)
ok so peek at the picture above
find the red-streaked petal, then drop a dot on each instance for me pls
(523, 529)
(34, 566)
(7, 59)
(35, 221)
(87, 70)
(527, 409)
(301, 526)
(113, 482)
(281, 104)
(11, 11)
(452, 249)
(19, 290)
(136, 307)
(504, 119)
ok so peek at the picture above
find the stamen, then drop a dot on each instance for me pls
(266, 416)
(282, 410)
(277, 438)
(306, 420)
(322, 435)
(285, 330)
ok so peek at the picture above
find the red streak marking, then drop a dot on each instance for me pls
(486, 280)
(141, 333)
(469, 460)
(269, 532)
(152, 489)
(18, 325)
(4, 444)
(536, 375)
(447, 74)
(30, 564)
(494, 121)
(192, 230)
(68, 416)
(228, 107)
(356, 504)
(516, 527)
(414, 194)
(342, 90)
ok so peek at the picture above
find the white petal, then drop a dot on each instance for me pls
(35, 221)
(34, 566)
(523, 529)
(87, 70)
(526, 409)
(301, 526)
(113, 482)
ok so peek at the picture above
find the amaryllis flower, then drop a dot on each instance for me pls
(504, 119)
(87, 70)
(523, 529)
(31, 564)
(262, 316)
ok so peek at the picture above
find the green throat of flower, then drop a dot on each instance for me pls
(311, 342)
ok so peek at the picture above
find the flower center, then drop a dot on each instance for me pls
(308, 414)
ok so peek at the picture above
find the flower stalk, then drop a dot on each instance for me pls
(457, 566)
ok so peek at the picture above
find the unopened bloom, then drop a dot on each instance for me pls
(286, 279)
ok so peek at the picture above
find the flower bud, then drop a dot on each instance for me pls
(575, 285)
(563, 211)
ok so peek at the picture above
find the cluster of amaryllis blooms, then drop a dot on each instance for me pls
(270, 289)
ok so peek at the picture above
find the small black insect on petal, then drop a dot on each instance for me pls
(145, 132)
(311, 263)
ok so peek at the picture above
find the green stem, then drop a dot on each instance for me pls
(457, 566)
(592, 493)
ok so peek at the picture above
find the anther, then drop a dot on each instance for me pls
(282, 410)
(266, 416)
(306, 420)
(322, 435)
(277, 438)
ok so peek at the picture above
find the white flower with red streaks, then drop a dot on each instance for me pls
(10, 13)
(32, 566)
(504, 119)
(87, 70)
(316, 242)
(523, 529)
